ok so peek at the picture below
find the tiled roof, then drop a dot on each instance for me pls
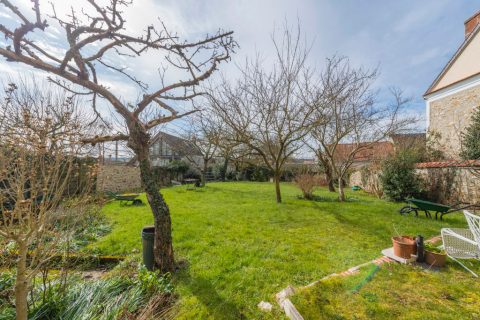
(448, 164)
(373, 151)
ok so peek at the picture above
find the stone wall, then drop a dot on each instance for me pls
(451, 185)
(356, 179)
(368, 178)
(448, 185)
(449, 116)
(118, 178)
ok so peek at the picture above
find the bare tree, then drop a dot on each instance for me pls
(203, 132)
(347, 105)
(41, 132)
(263, 107)
(92, 37)
(229, 149)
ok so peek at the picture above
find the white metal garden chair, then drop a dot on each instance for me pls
(463, 243)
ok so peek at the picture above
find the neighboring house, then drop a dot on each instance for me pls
(379, 151)
(376, 151)
(299, 164)
(417, 141)
(455, 92)
(166, 148)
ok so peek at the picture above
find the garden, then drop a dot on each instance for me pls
(237, 247)
(282, 140)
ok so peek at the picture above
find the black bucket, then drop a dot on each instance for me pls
(148, 236)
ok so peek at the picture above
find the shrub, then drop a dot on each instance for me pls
(123, 296)
(398, 177)
(307, 183)
(471, 138)
(177, 167)
(254, 173)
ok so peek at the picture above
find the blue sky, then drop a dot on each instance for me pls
(409, 40)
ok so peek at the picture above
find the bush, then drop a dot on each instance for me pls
(177, 167)
(252, 172)
(398, 177)
(123, 296)
(307, 183)
(471, 138)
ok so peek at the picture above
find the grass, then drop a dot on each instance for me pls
(395, 292)
(242, 247)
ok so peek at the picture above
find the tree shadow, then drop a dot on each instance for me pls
(203, 289)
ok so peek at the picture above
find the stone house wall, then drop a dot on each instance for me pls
(449, 116)
(118, 178)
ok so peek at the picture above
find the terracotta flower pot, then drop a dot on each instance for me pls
(435, 259)
(404, 246)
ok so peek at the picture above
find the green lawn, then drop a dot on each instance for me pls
(242, 247)
(395, 292)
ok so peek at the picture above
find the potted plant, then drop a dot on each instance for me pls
(435, 256)
(404, 246)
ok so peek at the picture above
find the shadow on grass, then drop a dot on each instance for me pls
(203, 289)
(316, 198)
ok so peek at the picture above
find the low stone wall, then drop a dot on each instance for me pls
(118, 178)
(356, 179)
(367, 177)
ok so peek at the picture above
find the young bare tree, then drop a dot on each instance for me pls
(229, 149)
(347, 105)
(41, 132)
(204, 134)
(263, 107)
(94, 39)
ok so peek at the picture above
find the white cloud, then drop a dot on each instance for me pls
(411, 40)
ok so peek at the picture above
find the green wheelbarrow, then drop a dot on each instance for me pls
(416, 205)
(125, 198)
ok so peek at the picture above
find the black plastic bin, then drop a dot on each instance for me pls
(148, 234)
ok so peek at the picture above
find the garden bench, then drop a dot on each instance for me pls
(191, 183)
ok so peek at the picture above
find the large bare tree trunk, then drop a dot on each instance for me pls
(278, 194)
(163, 246)
(341, 193)
(21, 283)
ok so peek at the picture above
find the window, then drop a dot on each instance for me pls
(167, 150)
(156, 147)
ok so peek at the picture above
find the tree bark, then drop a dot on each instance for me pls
(341, 193)
(329, 177)
(204, 173)
(21, 283)
(163, 246)
(278, 194)
(328, 172)
(224, 169)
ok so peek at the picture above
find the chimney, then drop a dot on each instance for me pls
(471, 23)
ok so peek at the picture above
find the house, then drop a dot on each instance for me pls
(403, 141)
(166, 148)
(378, 151)
(455, 92)
(375, 151)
